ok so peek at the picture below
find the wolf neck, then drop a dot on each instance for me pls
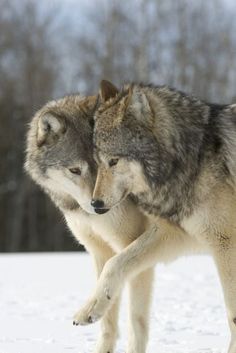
(183, 140)
(168, 201)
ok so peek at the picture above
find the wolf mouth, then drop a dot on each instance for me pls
(101, 210)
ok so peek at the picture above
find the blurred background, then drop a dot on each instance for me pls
(52, 48)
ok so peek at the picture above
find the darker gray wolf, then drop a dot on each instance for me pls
(175, 156)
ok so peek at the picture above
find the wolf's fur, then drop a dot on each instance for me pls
(60, 139)
(176, 156)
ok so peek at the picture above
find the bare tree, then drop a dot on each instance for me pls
(29, 66)
(187, 44)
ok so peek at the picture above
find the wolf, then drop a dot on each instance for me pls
(59, 158)
(175, 156)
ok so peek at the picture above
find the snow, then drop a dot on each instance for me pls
(39, 293)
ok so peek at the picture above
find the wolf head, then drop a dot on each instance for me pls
(148, 140)
(59, 151)
(122, 138)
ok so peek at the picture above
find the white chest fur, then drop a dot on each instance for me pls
(118, 227)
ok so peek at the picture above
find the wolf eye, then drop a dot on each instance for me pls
(113, 161)
(76, 171)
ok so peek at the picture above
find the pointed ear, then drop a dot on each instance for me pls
(129, 98)
(107, 90)
(139, 104)
(50, 127)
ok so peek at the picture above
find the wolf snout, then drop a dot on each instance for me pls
(99, 206)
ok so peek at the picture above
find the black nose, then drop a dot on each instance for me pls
(97, 203)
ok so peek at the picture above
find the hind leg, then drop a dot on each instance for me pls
(225, 259)
(140, 292)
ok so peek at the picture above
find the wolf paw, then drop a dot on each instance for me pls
(93, 311)
(108, 287)
(85, 315)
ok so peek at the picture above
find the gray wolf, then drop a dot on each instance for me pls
(59, 158)
(175, 156)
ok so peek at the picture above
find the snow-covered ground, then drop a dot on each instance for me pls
(40, 293)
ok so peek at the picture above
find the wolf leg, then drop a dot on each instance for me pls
(140, 292)
(152, 246)
(225, 259)
(109, 330)
(109, 324)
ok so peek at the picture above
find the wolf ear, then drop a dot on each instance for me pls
(107, 90)
(139, 104)
(50, 127)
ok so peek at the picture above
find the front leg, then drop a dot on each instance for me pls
(140, 293)
(109, 330)
(140, 255)
(109, 324)
(106, 293)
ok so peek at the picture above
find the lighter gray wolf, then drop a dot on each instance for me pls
(175, 156)
(60, 159)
